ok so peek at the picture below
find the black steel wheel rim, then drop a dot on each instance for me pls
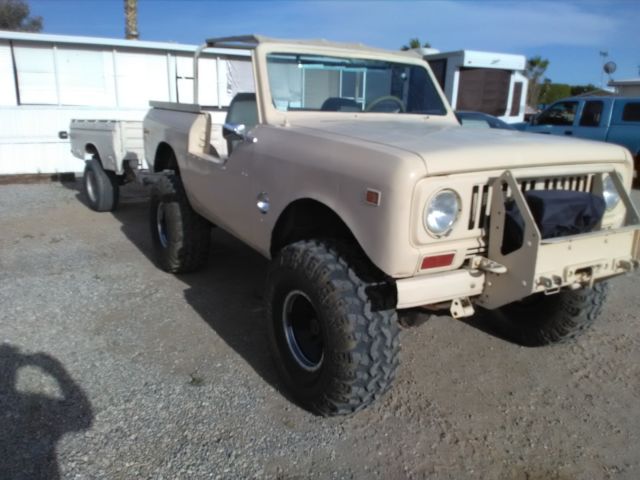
(302, 331)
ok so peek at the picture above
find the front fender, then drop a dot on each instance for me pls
(293, 165)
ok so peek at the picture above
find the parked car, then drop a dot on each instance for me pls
(609, 119)
(480, 120)
(365, 212)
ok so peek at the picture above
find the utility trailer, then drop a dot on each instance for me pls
(119, 142)
(113, 151)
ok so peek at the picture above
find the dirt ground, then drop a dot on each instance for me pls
(110, 368)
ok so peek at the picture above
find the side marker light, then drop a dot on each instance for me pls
(437, 261)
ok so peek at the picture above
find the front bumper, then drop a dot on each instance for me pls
(540, 265)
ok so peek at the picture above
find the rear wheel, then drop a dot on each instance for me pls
(100, 187)
(335, 343)
(181, 237)
(547, 319)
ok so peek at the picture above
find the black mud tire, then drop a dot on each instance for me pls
(545, 320)
(181, 237)
(100, 187)
(356, 319)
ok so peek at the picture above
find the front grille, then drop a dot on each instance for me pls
(481, 194)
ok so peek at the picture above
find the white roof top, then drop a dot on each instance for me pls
(477, 58)
(111, 42)
(628, 81)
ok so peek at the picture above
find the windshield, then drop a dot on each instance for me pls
(319, 83)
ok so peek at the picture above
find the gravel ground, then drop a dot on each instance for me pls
(110, 368)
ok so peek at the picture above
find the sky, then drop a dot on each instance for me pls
(571, 34)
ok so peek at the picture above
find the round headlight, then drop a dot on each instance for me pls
(609, 192)
(441, 212)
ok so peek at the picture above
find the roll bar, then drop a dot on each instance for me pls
(196, 56)
(241, 42)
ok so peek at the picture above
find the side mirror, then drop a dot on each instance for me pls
(234, 131)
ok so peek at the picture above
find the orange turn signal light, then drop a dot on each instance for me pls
(373, 197)
(437, 261)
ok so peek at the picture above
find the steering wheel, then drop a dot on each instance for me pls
(386, 98)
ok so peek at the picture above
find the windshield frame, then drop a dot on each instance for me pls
(272, 115)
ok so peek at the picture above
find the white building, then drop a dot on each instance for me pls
(492, 83)
(46, 80)
(626, 88)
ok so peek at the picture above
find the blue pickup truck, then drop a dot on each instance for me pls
(609, 119)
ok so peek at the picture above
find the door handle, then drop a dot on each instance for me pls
(568, 132)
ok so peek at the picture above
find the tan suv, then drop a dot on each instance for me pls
(347, 168)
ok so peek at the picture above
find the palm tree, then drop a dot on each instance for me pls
(535, 69)
(131, 19)
(415, 43)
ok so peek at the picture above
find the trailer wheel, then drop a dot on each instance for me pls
(180, 236)
(334, 338)
(544, 320)
(100, 187)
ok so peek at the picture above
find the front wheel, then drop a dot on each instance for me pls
(180, 236)
(335, 344)
(546, 319)
(100, 187)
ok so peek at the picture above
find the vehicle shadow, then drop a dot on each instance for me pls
(485, 321)
(491, 323)
(226, 293)
(31, 424)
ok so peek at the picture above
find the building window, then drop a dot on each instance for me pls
(37, 81)
(484, 90)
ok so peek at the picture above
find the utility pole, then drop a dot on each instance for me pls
(131, 19)
(603, 54)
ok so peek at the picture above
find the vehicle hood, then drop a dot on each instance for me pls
(447, 148)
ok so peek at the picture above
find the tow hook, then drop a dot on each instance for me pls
(487, 265)
(551, 285)
(461, 307)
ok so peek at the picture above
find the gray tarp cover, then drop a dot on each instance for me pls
(558, 213)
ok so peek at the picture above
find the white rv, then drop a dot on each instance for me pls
(47, 80)
(492, 83)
